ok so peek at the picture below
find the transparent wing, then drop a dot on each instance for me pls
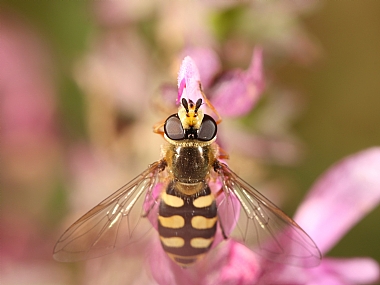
(116, 222)
(261, 225)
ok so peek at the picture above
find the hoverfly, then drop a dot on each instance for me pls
(187, 196)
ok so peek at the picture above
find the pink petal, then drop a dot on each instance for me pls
(207, 61)
(237, 265)
(237, 91)
(188, 81)
(231, 96)
(341, 197)
(353, 270)
(331, 271)
(255, 72)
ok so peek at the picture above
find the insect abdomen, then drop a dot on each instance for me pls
(187, 224)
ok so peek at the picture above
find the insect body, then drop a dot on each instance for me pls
(188, 212)
(188, 209)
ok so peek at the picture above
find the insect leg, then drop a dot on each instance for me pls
(158, 127)
(208, 103)
(222, 153)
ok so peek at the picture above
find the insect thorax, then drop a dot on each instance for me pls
(190, 161)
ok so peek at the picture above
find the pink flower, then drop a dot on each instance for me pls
(233, 94)
(339, 199)
(29, 141)
(336, 202)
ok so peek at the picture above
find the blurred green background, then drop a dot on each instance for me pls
(340, 89)
(343, 91)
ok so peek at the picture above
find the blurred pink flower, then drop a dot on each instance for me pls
(29, 154)
(118, 12)
(28, 132)
(236, 92)
(115, 78)
(29, 141)
(116, 71)
(336, 202)
(181, 23)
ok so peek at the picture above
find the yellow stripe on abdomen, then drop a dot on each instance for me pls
(203, 201)
(201, 242)
(202, 223)
(172, 201)
(173, 222)
(173, 241)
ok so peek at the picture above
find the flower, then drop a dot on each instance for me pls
(336, 202)
(342, 196)
(233, 94)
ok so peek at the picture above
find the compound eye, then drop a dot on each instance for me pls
(173, 128)
(208, 129)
